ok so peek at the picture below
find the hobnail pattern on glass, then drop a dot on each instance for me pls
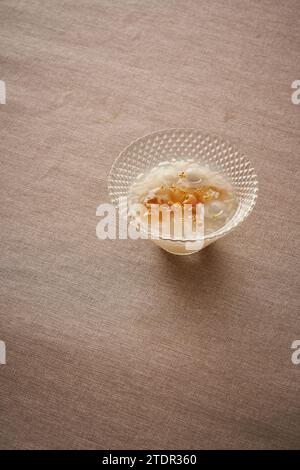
(186, 144)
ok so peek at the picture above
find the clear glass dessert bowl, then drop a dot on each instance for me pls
(192, 147)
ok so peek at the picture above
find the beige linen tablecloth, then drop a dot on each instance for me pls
(116, 344)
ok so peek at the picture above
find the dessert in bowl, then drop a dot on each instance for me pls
(185, 189)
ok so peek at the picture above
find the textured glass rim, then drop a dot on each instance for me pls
(234, 222)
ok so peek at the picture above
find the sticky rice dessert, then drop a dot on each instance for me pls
(179, 186)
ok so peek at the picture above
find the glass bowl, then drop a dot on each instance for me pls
(192, 145)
